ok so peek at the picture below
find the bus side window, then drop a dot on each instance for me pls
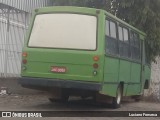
(111, 38)
(135, 46)
(137, 41)
(147, 60)
(124, 50)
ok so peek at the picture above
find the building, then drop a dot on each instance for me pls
(14, 19)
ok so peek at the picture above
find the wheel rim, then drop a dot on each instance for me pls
(118, 96)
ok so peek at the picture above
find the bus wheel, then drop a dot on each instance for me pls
(116, 102)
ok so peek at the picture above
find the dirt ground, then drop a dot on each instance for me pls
(41, 103)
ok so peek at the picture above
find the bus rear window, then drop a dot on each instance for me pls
(66, 31)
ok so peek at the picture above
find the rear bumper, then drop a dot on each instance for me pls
(46, 84)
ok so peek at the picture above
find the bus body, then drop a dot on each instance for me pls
(84, 51)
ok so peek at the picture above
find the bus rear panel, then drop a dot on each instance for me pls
(62, 50)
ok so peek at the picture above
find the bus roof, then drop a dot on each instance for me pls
(123, 22)
(75, 9)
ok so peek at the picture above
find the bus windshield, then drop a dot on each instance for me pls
(66, 31)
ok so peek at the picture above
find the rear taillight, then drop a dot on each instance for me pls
(95, 58)
(95, 65)
(24, 54)
(24, 61)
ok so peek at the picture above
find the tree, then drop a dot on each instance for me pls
(109, 5)
(71, 2)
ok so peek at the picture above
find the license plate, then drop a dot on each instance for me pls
(56, 69)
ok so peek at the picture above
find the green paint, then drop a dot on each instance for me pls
(109, 89)
(133, 89)
(124, 71)
(111, 70)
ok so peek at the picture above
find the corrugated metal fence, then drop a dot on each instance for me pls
(12, 25)
(14, 17)
(27, 5)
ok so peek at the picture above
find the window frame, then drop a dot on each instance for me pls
(135, 46)
(107, 38)
(123, 41)
(119, 23)
(32, 25)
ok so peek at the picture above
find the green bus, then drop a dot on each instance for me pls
(87, 52)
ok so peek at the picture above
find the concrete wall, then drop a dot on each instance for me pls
(154, 91)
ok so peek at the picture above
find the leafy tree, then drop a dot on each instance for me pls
(70, 2)
(100, 4)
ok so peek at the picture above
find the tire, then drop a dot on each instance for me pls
(116, 101)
